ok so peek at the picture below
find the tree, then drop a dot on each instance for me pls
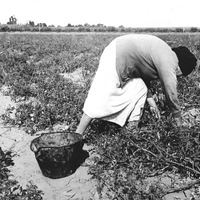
(41, 25)
(86, 25)
(100, 25)
(31, 23)
(69, 25)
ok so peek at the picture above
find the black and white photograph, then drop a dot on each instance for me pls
(100, 100)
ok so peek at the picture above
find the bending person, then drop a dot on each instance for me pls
(120, 87)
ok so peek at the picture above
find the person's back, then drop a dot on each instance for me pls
(143, 56)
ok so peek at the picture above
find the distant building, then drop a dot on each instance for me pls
(12, 20)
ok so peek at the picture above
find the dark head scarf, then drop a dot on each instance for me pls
(187, 61)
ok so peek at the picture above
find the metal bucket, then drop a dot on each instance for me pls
(58, 153)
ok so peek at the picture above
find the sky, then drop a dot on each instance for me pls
(128, 13)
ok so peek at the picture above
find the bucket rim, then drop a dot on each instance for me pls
(80, 141)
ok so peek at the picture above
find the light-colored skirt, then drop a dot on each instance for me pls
(106, 100)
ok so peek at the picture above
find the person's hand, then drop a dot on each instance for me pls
(155, 112)
(153, 108)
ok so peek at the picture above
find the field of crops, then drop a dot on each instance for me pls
(30, 67)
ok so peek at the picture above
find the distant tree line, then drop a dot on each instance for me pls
(42, 27)
(12, 26)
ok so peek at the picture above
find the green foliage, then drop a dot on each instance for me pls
(32, 70)
(31, 66)
(129, 158)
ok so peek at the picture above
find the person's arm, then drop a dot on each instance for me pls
(169, 82)
(84, 122)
